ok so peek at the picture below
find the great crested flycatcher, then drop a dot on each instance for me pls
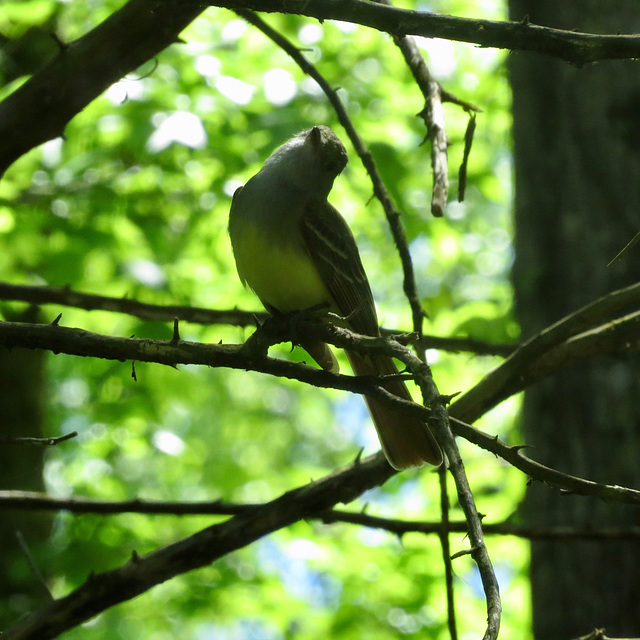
(297, 252)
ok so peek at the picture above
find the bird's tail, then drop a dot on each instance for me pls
(405, 439)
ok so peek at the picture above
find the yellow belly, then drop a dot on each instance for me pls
(281, 276)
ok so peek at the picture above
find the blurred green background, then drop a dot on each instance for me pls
(134, 202)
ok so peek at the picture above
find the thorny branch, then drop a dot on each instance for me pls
(141, 574)
(571, 46)
(34, 501)
(469, 407)
(38, 295)
(104, 590)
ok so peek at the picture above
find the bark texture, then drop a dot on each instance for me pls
(22, 387)
(577, 167)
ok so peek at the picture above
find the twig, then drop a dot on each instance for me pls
(32, 564)
(479, 347)
(35, 501)
(468, 141)
(445, 544)
(433, 117)
(632, 243)
(69, 298)
(43, 442)
(402, 527)
(600, 634)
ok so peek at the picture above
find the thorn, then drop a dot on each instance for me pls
(176, 332)
(358, 457)
(135, 558)
(464, 552)
(133, 371)
(57, 320)
(447, 399)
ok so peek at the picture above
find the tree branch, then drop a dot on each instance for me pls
(34, 501)
(42, 442)
(572, 46)
(104, 590)
(250, 356)
(504, 379)
(66, 297)
(43, 106)
(433, 117)
(164, 313)
(537, 471)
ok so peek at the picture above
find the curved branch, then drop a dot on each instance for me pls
(104, 590)
(575, 47)
(505, 380)
(43, 106)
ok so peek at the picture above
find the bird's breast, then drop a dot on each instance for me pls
(278, 269)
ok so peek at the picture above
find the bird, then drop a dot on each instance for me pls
(297, 252)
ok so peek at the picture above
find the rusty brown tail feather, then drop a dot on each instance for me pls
(405, 439)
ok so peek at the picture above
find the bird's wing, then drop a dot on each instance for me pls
(334, 252)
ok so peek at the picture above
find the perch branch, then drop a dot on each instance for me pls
(83, 343)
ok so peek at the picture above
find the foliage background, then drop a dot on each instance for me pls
(134, 202)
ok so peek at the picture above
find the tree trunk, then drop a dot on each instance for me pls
(577, 166)
(577, 171)
(22, 388)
